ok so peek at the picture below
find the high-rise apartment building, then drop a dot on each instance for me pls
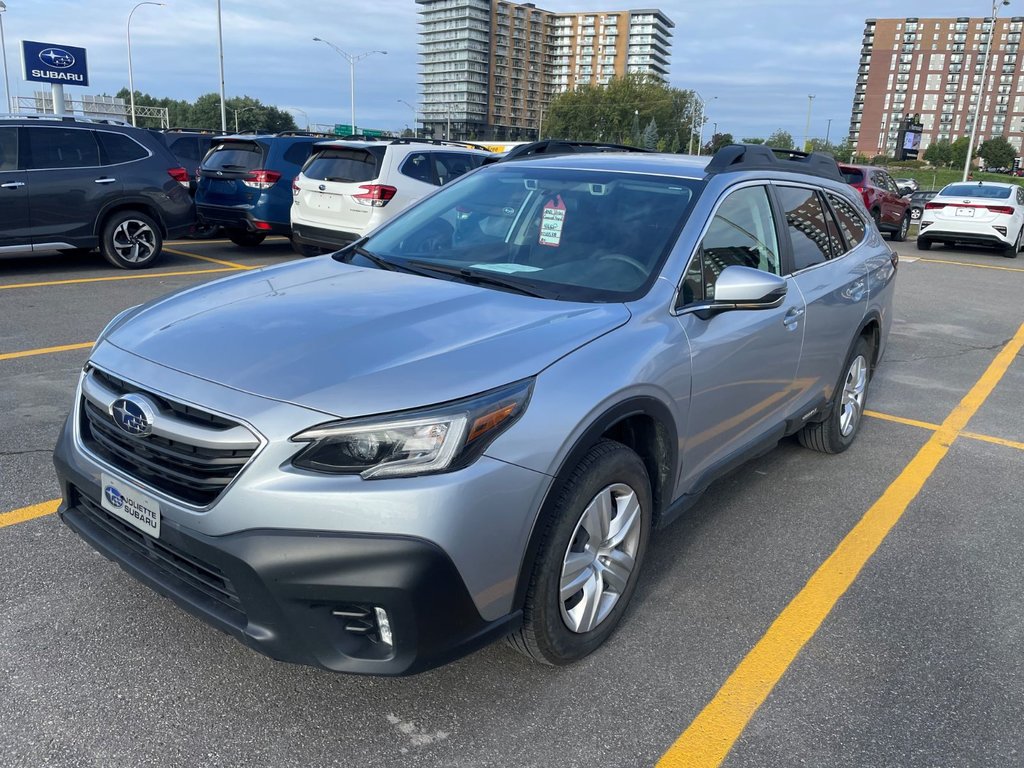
(489, 67)
(933, 68)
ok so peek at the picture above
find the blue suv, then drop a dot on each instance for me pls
(245, 183)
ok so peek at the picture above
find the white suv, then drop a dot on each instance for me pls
(347, 188)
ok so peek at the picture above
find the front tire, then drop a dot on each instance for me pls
(131, 240)
(244, 239)
(837, 433)
(590, 557)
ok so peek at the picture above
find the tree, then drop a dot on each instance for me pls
(958, 152)
(610, 112)
(718, 141)
(939, 152)
(752, 141)
(780, 140)
(253, 115)
(997, 152)
(650, 135)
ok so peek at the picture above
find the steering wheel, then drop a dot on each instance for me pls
(623, 258)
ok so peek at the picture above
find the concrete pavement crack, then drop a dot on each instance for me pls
(965, 350)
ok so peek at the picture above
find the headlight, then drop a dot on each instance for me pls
(114, 323)
(425, 442)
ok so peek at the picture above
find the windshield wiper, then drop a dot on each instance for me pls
(479, 278)
(345, 253)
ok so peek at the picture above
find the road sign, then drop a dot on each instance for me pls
(375, 133)
(341, 129)
(54, 63)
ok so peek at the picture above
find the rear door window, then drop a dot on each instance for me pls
(235, 156)
(298, 152)
(343, 165)
(8, 149)
(61, 147)
(420, 167)
(116, 148)
(451, 165)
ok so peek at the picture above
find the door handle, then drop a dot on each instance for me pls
(12, 185)
(792, 317)
(106, 180)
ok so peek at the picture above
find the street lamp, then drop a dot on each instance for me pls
(700, 124)
(981, 90)
(220, 53)
(807, 130)
(414, 118)
(302, 111)
(237, 111)
(3, 49)
(351, 59)
(131, 79)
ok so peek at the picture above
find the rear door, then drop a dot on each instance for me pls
(892, 201)
(335, 186)
(68, 186)
(223, 170)
(15, 227)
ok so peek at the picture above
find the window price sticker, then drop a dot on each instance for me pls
(551, 222)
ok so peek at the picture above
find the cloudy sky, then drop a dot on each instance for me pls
(756, 61)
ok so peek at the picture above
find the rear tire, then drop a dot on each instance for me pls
(307, 251)
(837, 433)
(131, 240)
(590, 557)
(923, 245)
(244, 239)
(901, 234)
(1011, 251)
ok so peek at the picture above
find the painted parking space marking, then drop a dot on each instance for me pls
(44, 350)
(144, 276)
(29, 513)
(971, 264)
(708, 740)
(933, 427)
(210, 259)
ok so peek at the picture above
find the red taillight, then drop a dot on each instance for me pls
(934, 206)
(180, 175)
(263, 225)
(377, 195)
(295, 188)
(261, 179)
(1008, 210)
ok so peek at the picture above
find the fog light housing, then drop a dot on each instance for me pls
(926, 224)
(383, 626)
(1000, 230)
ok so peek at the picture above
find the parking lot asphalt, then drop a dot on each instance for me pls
(853, 610)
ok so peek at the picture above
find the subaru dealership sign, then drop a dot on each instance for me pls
(53, 63)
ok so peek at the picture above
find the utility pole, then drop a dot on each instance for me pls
(807, 130)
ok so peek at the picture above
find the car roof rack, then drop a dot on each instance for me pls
(65, 119)
(561, 147)
(179, 129)
(438, 142)
(315, 134)
(758, 157)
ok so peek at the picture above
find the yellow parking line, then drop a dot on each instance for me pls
(932, 427)
(901, 420)
(29, 513)
(44, 350)
(710, 737)
(207, 258)
(994, 440)
(141, 276)
(969, 264)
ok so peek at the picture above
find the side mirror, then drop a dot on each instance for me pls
(742, 288)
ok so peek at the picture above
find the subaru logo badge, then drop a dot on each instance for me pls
(134, 414)
(57, 58)
(114, 496)
(322, 187)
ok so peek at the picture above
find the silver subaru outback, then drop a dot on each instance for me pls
(471, 423)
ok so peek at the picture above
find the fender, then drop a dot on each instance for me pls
(633, 406)
(147, 206)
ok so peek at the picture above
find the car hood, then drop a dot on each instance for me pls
(350, 341)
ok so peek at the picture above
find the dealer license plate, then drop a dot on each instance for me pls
(964, 211)
(323, 202)
(131, 505)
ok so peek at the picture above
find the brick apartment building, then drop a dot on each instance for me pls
(488, 68)
(933, 68)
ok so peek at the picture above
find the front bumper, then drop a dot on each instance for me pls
(306, 597)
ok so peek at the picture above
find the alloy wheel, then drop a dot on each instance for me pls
(134, 241)
(854, 388)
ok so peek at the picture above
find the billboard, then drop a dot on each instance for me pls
(54, 63)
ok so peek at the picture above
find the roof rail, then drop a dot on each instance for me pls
(438, 142)
(316, 134)
(179, 129)
(560, 147)
(751, 157)
(65, 118)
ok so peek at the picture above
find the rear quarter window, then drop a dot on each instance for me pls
(852, 225)
(116, 148)
(234, 156)
(344, 165)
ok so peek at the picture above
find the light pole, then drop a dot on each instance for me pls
(410, 106)
(807, 130)
(3, 50)
(220, 51)
(302, 111)
(981, 90)
(700, 123)
(237, 111)
(828, 131)
(351, 59)
(131, 79)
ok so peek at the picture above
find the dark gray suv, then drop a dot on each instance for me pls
(470, 423)
(75, 184)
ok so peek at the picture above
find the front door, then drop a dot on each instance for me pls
(15, 228)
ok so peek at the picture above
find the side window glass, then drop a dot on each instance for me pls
(61, 148)
(8, 149)
(118, 148)
(808, 231)
(742, 233)
(187, 150)
(835, 240)
(850, 222)
(298, 153)
(451, 165)
(418, 166)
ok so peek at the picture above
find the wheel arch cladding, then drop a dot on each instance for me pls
(643, 424)
(130, 204)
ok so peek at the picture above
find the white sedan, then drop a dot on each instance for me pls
(978, 213)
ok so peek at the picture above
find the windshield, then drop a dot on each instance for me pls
(234, 156)
(977, 190)
(852, 175)
(569, 234)
(346, 164)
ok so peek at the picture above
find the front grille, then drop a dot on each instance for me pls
(192, 473)
(171, 561)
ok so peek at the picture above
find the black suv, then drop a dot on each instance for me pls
(75, 184)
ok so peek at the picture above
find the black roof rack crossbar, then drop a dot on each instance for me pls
(437, 142)
(316, 134)
(758, 157)
(560, 147)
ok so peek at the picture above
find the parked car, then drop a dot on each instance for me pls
(73, 184)
(907, 186)
(917, 201)
(888, 208)
(470, 423)
(348, 188)
(189, 146)
(977, 213)
(245, 183)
